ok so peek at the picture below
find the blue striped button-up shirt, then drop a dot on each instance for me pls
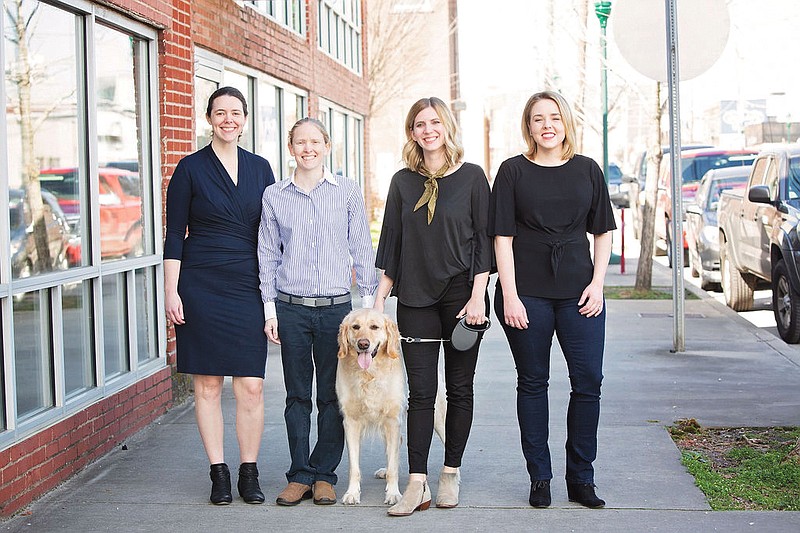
(310, 242)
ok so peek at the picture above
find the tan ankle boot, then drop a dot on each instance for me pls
(417, 497)
(447, 495)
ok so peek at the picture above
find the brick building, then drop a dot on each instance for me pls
(103, 98)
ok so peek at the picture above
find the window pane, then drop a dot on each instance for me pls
(292, 112)
(33, 353)
(354, 148)
(146, 334)
(268, 137)
(339, 140)
(78, 319)
(2, 379)
(203, 90)
(115, 330)
(118, 142)
(42, 136)
(242, 82)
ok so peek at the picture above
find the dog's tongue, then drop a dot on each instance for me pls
(364, 360)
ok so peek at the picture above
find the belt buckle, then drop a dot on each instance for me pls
(309, 302)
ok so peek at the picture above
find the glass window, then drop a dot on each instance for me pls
(339, 29)
(241, 82)
(43, 141)
(118, 139)
(293, 110)
(78, 320)
(146, 314)
(793, 180)
(33, 362)
(115, 331)
(267, 126)
(339, 140)
(288, 13)
(203, 88)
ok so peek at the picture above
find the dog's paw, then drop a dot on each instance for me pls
(351, 498)
(392, 497)
(380, 473)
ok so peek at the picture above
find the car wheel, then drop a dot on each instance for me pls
(785, 304)
(737, 291)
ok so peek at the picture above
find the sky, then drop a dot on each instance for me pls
(502, 49)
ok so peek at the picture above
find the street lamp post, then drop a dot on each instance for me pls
(603, 10)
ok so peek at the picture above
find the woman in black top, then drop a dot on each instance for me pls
(436, 255)
(543, 205)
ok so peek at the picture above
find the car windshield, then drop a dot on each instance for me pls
(793, 183)
(64, 186)
(727, 184)
(695, 168)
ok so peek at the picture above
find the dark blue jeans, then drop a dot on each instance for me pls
(582, 341)
(308, 343)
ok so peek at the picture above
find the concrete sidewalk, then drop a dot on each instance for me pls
(732, 374)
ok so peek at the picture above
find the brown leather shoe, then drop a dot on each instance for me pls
(324, 493)
(293, 494)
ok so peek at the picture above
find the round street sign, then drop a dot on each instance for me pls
(639, 29)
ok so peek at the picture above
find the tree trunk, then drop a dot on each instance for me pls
(30, 169)
(644, 269)
(583, 14)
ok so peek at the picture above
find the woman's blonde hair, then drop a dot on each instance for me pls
(566, 118)
(412, 152)
(308, 120)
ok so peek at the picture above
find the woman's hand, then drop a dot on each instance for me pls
(173, 305)
(474, 310)
(271, 329)
(591, 300)
(514, 312)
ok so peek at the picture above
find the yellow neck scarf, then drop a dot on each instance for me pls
(431, 190)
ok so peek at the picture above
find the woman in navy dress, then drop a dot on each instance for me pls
(211, 284)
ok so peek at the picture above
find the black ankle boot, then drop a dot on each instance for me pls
(540, 493)
(248, 486)
(583, 493)
(220, 484)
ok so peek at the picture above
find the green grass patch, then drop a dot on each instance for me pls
(742, 468)
(615, 292)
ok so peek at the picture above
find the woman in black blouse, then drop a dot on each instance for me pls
(436, 255)
(544, 203)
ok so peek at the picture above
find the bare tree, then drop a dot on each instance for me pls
(644, 269)
(393, 38)
(22, 76)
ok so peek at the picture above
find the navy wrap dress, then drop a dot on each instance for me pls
(218, 284)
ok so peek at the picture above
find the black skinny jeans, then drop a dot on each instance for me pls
(422, 360)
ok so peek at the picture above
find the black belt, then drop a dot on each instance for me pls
(320, 301)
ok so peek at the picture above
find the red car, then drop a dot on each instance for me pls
(120, 200)
(694, 165)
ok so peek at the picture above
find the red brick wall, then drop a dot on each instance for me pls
(39, 463)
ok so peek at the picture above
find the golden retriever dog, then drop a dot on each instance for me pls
(371, 386)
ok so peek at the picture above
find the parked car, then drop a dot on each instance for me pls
(702, 233)
(694, 165)
(758, 238)
(639, 183)
(120, 206)
(24, 256)
(618, 186)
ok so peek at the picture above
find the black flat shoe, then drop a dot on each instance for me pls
(540, 493)
(248, 486)
(220, 484)
(583, 493)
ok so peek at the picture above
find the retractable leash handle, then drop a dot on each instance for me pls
(463, 338)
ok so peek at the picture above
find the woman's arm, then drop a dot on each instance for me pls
(591, 300)
(514, 312)
(173, 305)
(382, 292)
